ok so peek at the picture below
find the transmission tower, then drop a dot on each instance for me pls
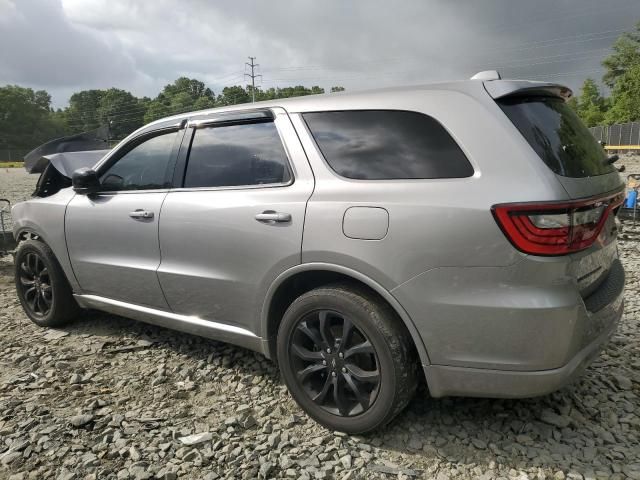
(253, 76)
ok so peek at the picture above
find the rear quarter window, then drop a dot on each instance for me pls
(557, 135)
(386, 145)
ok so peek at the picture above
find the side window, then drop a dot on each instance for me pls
(387, 144)
(237, 155)
(142, 168)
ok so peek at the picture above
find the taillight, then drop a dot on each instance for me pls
(555, 228)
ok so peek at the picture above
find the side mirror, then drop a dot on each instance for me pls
(85, 181)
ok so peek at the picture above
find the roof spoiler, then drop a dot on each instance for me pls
(497, 88)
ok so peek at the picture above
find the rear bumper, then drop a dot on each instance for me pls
(479, 382)
(517, 331)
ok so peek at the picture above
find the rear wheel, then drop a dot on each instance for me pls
(42, 287)
(346, 358)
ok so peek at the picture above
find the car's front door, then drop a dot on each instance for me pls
(112, 236)
(236, 221)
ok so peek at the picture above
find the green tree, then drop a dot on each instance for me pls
(82, 113)
(26, 119)
(123, 112)
(298, 91)
(626, 53)
(625, 98)
(590, 105)
(183, 95)
(233, 95)
(195, 89)
(203, 103)
(337, 89)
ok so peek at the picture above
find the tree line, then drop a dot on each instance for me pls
(622, 77)
(28, 120)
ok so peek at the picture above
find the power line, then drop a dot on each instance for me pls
(515, 64)
(533, 61)
(568, 74)
(253, 77)
(585, 55)
(580, 38)
(559, 17)
(549, 43)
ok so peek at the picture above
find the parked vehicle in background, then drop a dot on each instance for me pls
(464, 229)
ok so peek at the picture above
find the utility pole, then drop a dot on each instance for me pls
(253, 77)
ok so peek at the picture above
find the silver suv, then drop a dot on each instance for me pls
(465, 230)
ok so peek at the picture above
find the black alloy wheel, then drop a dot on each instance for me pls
(41, 285)
(346, 358)
(335, 363)
(34, 283)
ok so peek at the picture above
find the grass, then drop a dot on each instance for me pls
(11, 164)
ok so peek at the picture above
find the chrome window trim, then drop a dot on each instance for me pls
(233, 117)
(234, 187)
(124, 192)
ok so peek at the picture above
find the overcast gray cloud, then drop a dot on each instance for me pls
(68, 45)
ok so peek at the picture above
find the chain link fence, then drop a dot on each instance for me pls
(626, 136)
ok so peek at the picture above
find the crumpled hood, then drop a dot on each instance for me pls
(67, 154)
(68, 162)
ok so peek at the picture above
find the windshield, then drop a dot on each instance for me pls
(557, 135)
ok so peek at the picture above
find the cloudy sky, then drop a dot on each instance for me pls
(68, 45)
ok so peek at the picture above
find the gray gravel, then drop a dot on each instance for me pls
(109, 398)
(16, 185)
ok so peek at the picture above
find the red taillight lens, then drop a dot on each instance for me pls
(555, 228)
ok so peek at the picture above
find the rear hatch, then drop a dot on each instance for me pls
(563, 143)
(583, 227)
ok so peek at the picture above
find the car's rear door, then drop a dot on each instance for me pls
(112, 236)
(235, 220)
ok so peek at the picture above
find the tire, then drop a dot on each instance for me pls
(376, 358)
(43, 289)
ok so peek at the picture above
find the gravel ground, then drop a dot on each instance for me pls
(631, 163)
(16, 185)
(110, 398)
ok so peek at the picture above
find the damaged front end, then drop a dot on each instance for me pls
(59, 167)
(58, 159)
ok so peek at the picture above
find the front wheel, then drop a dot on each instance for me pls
(346, 358)
(42, 288)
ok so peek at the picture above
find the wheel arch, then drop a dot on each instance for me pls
(30, 231)
(303, 278)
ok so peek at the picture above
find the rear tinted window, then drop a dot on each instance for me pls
(383, 145)
(237, 155)
(557, 135)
